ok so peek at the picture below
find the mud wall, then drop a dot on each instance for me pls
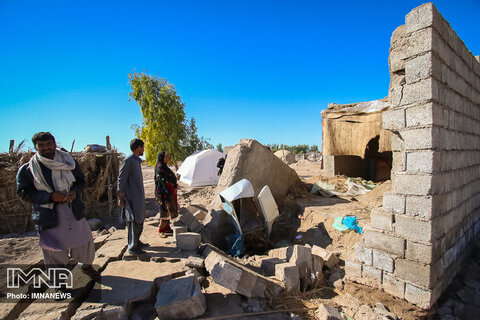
(419, 237)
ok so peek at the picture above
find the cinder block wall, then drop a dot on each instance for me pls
(419, 237)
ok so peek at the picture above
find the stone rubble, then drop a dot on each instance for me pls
(188, 241)
(180, 298)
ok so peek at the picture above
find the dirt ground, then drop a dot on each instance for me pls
(313, 215)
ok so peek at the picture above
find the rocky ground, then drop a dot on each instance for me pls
(128, 285)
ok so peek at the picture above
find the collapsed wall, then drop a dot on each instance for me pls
(419, 237)
(354, 142)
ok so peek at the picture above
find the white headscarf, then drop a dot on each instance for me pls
(61, 166)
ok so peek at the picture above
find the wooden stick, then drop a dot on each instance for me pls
(12, 143)
(73, 143)
(108, 159)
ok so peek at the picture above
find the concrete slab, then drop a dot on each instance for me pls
(124, 282)
(189, 241)
(231, 274)
(110, 251)
(47, 308)
(195, 262)
(180, 298)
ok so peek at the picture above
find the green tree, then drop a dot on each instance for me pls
(164, 127)
(219, 147)
(314, 148)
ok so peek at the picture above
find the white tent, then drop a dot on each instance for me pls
(200, 168)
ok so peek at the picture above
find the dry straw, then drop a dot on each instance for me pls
(101, 173)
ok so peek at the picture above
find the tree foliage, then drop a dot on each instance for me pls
(296, 149)
(164, 126)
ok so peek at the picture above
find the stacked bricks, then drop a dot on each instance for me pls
(419, 237)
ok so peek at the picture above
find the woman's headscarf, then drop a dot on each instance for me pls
(161, 156)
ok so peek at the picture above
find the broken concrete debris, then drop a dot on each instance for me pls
(195, 262)
(188, 241)
(190, 221)
(200, 215)
(288, 273)
(325, 312)
(180, 298)
(232, 275)
(178, 230)
(330, 259)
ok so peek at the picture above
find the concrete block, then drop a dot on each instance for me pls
(384, 242)
(200, 215)
(352, 269)
(363, 254)
(382, 220)
(189, 241)
(421, 17)
(372, 272)
(196, 226)
(420, 252)
(178, 230)
(393, 119)
(413, 184)
(383, 261)
(246, 285)
(325, 312)
(224, 273)
(413, 229)
(268, 265)
(393, 285)
(289, 274)
(417, 139)
(397, 142)
(227, 272)
(419, 42)
(419, 92)
(280, 253)
(396, 93)
(418, 296)
(180, 298)
(301, 256)
(186, 216)
(421, 161)
(399, 161)
(393, 202)
(318, 264)
(413, 272)
(195, 262)
(419, 207)
(420, 68)
(328, 257)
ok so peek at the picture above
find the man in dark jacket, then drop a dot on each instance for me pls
(132, 196)
(52, 180)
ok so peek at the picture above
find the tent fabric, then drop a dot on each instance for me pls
(200, 168)
(241, 189)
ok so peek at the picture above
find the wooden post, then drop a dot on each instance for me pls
(73, 143)
(109, 146)
(12, 143)
(108, 159)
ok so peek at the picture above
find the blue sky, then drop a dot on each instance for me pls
(244, 69)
